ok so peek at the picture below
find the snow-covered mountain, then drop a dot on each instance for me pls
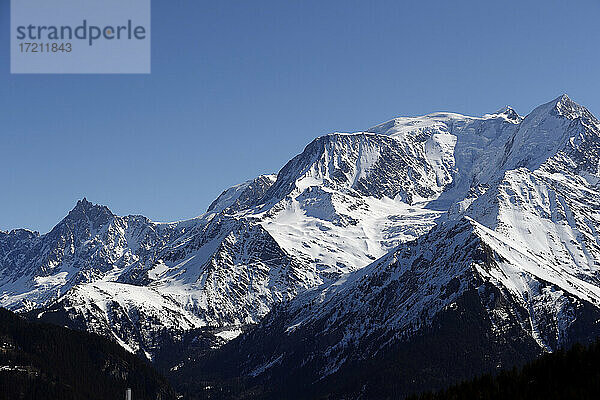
(366, 237)
(511, 269)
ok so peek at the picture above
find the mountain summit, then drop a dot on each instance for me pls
(362, 243)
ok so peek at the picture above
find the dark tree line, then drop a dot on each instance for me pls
(41, 361)
(572, 374)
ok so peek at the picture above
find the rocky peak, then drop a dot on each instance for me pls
(84, 217)
(509, 113)
(561, 107)
(242, 196)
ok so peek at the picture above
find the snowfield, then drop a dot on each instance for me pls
(374, 232)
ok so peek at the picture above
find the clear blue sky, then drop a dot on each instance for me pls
(239, 87)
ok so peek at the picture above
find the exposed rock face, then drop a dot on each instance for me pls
(367, 240)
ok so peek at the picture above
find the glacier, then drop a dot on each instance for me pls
(367, 234)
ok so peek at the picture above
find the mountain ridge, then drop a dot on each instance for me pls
(344, 204)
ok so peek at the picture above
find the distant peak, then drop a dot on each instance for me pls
(564, 107)
(84, 202)
(563, 98)
(505, 110)
(93, 211)
(561, 101)
(509, 112)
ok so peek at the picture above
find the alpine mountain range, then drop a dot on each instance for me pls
(422, 251)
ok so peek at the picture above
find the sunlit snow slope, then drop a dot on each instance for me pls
(529, 186)
(513, 262)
